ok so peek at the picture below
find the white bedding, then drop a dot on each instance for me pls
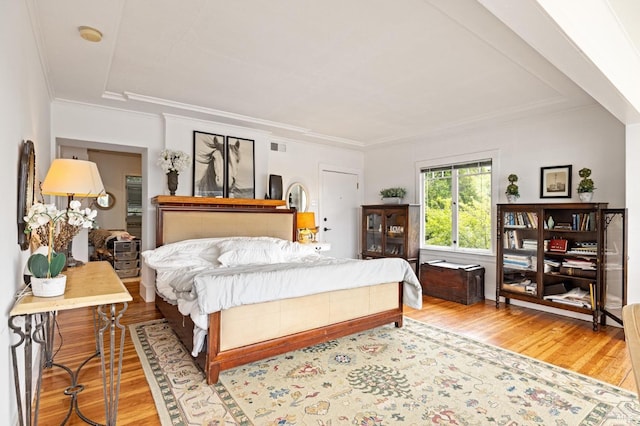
(209, 275)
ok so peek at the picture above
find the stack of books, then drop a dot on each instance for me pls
(578, 268)
(528, 244)
(517, 261)
(575, 297)
(551, 265)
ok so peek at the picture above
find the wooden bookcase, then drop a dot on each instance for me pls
(391, 230)
(547, 251)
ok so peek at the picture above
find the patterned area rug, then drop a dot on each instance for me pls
(415, 375)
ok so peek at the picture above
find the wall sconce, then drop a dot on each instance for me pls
(307, 229)
(71, 177)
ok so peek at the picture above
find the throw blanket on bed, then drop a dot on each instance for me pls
(224, 288)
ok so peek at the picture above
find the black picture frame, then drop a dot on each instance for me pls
(209, 165)
(241, 176)
(555, 182)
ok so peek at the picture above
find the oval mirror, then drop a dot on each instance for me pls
(105, 201)
(26, 189)
(297, 197)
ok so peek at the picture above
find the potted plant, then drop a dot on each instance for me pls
(393, 195)
(54, 229)
(585, 186)
(513, 193)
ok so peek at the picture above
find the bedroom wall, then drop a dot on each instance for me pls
(24, 114)
(589, 137)
(95, 127)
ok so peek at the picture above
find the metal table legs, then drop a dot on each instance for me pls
(39, 328)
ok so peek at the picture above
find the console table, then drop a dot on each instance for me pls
(96, 285)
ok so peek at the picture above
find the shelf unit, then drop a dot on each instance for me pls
(391, 230)
(545, 251)
(126, 258)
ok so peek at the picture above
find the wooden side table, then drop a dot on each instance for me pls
(94, 284)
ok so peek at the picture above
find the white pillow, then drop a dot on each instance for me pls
(195, 252)
(250, 256)
(251, 243)
(263, 250)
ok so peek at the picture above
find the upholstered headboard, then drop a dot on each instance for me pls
(182, 222)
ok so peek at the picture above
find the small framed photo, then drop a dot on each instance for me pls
(241, 168)
(555, 182)
(209, 163)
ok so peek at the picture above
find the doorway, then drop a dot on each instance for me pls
(340, 210)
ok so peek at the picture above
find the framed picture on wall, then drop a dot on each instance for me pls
(209, 165)
(555, 182)
(240, 168)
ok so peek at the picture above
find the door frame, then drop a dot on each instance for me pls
(325, 167)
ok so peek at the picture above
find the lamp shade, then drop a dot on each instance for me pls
(306, 220)
(70, 177)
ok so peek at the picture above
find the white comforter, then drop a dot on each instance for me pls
(229, 274)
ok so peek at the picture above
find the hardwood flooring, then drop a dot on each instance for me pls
(558, 340)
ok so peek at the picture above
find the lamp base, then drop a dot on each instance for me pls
(72, 263)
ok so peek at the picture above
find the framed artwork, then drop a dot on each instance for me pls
(240, 168)
(555, 182)
(209, 165)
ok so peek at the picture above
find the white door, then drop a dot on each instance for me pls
(339, 212)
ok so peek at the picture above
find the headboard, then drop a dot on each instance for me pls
(176, 222)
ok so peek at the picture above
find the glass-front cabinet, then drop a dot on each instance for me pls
(390, 230)
(567, 255)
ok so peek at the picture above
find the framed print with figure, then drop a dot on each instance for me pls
(209, 165)
(240, 168)
(555, 182)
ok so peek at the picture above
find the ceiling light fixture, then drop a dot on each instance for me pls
(90, 34)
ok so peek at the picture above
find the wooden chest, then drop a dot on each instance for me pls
(451, 281)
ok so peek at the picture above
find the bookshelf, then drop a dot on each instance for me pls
(391, 230)
(570, 256)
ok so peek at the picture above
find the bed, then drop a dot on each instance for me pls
(250, 332)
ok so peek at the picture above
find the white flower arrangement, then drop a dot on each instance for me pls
(55, 229)
(174, 161)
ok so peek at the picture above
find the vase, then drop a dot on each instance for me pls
(512, 198)
(586, 197)
(172, 182)
(391, 200)
(48, 287)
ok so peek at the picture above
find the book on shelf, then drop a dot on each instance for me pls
(522, 286)
(578, 272)
(553, 289)
(566, 226)
(574, 297)
(584, 248)
(521, 220)
(579, 263)
(511, 239)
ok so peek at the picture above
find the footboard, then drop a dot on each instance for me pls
(222, 354)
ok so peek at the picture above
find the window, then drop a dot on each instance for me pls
(457, 206)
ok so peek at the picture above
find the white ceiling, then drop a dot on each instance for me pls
(360, 72)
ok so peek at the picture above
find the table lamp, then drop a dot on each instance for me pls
(306, 222)
(72, 178)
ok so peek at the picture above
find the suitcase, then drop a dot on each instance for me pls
(451, 281)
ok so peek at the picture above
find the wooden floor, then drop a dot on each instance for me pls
(558, 340)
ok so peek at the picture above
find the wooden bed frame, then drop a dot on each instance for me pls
(249, 333)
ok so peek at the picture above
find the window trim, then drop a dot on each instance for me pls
(492, 155)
